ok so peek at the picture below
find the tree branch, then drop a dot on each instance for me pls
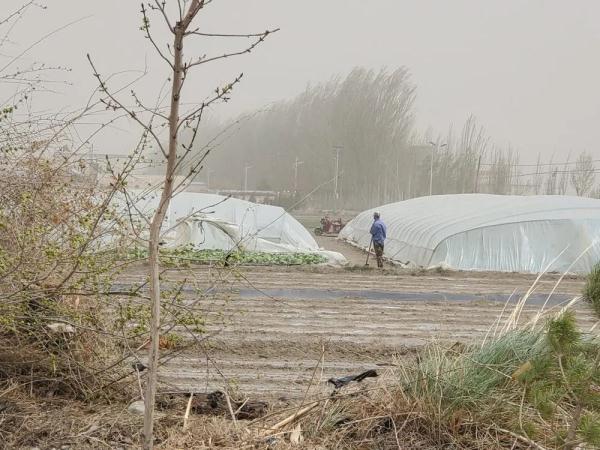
(225, 35)
(18, 12)
(146, 29)
(39, 41)
(161, 7)
(249, 49)
(221, 94)
(131, 113)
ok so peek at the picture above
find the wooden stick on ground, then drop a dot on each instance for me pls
(139, 380)
(235, 423)
(241, 406)
(522, 439)
(187, 411)
(297, 415)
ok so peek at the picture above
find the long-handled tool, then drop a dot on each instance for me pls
(369, 252)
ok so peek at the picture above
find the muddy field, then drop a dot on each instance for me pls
(275, 332)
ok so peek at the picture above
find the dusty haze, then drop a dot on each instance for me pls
(528, 71)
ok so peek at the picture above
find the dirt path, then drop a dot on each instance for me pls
(274, 345)
(354, 255)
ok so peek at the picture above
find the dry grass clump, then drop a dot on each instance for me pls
(73, 373)
(30, 421)
(63, 352)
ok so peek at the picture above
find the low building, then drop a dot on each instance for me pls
(263, 197)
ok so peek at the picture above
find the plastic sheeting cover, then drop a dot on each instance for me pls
(252, 220)
(210, 221)
(488, 232)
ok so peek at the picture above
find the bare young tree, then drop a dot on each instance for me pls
(583, 175)
(178, 17)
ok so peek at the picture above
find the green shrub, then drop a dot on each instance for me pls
(541, 382)
(591, 291)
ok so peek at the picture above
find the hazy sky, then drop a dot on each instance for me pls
(529, 70)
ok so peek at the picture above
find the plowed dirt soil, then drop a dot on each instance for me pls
(276, 331)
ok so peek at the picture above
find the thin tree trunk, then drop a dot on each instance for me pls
(570, 440)
(477, 175)
(153, 246)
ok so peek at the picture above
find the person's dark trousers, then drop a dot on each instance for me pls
(378, 253)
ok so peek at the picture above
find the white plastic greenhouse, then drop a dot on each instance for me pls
(488, 232)
(210, 221)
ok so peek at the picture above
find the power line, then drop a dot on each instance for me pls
(566, 163)
(557, 172)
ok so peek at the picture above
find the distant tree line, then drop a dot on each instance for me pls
(364, 124)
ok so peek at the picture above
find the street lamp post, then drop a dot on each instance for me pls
(296, 164)
(246, 177)
(208, 172)
(337, 168)
(436, 147)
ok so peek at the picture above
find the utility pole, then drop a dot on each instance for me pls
(436, 147)
(208, 172)
(296, 164)
(412, 171)
(337, 149)
(246, 177)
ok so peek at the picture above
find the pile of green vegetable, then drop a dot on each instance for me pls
(192, 255)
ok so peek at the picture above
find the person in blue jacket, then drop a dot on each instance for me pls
(378, 234)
